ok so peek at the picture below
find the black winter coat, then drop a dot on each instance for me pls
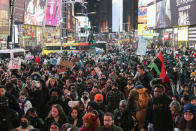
(159, 114)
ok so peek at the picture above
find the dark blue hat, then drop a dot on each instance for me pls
(139, 86)
(190, 108)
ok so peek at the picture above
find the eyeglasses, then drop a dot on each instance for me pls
(107, 120)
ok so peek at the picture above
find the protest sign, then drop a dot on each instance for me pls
(14, 64)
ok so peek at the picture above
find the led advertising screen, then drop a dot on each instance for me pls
(34, 12)
(53, 12)
(163, 14)
(183, 12)
(142, 11)
(4, 17)
(151, 14)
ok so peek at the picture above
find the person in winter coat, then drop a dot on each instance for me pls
(158, 113)
(24, 104)
(123, 117)
(144, 77)
(56, 115)
(56, 98)
(8, 117)
(34, 119)
(188, 120)
(74, 118)
(109, 123)
(13, 104)
(113, 98)
(24, 125)
(176, 112)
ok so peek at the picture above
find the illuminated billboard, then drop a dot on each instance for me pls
(53, 12)
(4, 17)
(163, 14)
(183, 12)
(34, 12)
(142, 11)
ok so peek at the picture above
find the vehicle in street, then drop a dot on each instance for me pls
(58, 47)
(12, 53)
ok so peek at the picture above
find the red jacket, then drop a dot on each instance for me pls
(37, 59)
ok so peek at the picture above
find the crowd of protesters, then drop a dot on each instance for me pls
(125, 95)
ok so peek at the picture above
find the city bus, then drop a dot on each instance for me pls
(12, 53)
(59, 47)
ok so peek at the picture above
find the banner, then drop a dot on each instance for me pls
(142, 46)
(183, 12)
(4, 17)
(34, 12)
(14, 64)
(53, 12)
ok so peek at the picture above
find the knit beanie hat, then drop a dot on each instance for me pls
(190, 108)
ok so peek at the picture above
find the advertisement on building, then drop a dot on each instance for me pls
(19, 10)
(27, 36)
(151, 14)
(143, 31)
(183, 34)
(117, 15)
(34, 12)
(4, 17)
(163, 14)
(51, 35)
(53, 12)
(183, 12)
(142, 11)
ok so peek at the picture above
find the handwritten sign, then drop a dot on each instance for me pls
(14, 64)
(66, 63)
(142, 46)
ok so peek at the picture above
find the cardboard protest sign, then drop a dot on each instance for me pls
(61, 69)
(14, 64)
(66, 63)
(63, 64)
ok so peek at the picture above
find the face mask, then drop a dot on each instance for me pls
(115, 90)
(85, 98)
(53, 98)
(24, 124)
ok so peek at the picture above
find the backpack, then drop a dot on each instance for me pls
(143, 97)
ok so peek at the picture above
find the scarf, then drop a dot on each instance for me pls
(22, 106)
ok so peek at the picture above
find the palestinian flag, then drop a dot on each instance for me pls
(158, 65)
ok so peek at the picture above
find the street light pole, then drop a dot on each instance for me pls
(11, 23)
